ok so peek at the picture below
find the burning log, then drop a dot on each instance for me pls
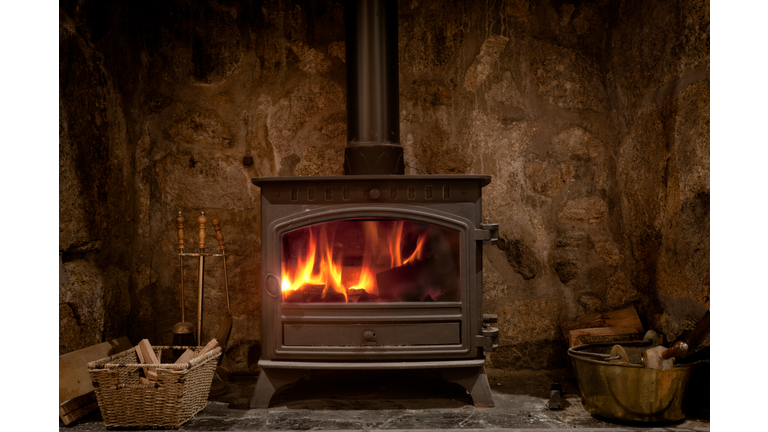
(415, 282)
(368, 298)
(312, 293)
(304, 294)
(354, 294)
(334, 297)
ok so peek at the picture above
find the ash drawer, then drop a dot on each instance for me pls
(298, 334)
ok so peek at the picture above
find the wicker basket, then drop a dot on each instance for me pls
(181, 390)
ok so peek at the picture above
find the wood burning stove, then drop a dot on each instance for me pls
(373, 269)
(373, 272)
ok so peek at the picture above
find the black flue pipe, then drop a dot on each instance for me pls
(373, 118)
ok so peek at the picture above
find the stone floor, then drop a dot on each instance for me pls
(399, 401)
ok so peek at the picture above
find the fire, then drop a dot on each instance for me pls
(321, 263)
(329, 272)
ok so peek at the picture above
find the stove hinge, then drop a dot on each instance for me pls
(488, 234)
(489, 340)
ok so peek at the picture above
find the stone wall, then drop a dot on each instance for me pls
(592, 118)
(659, 82)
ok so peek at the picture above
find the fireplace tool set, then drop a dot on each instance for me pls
(184, 332)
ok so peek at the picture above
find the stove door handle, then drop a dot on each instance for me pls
(489, 340)
(489, 234)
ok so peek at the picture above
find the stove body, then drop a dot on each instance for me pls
(425, 313)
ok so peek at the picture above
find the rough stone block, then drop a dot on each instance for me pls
(590, 210)
(201, 127)
(482, 66)
(577, 141)
(533, 355)
(529, 320)
(609, 253)
(520, 256)
(567, 78)
(566, 268)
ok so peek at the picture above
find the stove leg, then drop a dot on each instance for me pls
(474, 380)
(270, 382)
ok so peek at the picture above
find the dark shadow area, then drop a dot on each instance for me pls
(239, 389)
(93, 417)
(532, 383)
(391, 389)
(372, 390)
(648, 425)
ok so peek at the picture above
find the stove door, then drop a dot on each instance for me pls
(377, 282)
(371, 260)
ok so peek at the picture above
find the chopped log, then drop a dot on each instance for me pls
(412, 282)
(185, 357)
(334, 297)
(626, 319)
(294, 296)
(208, 347)
(602, 334)
(147, 356)
(368, 298)
(313, 293)
(73, 409)
(619, 318)
(76, 396)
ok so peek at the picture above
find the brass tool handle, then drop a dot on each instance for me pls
(180, 233)
(219, 235)
(676, 350)
(202, 220)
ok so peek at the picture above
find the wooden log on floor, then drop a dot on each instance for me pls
(76, 396)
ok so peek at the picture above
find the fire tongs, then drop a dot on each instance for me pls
(200, 273)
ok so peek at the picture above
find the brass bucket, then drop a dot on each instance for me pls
(620, 390)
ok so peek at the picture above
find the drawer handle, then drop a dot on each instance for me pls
(369, 336)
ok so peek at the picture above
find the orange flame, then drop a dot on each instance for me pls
(382, 251)
(328, 274)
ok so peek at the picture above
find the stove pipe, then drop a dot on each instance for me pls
(373, 121)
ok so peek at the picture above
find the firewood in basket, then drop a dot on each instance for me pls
(208, 347)
(185, 357)
(146, 355)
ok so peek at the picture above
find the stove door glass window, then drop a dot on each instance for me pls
(371, 260)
